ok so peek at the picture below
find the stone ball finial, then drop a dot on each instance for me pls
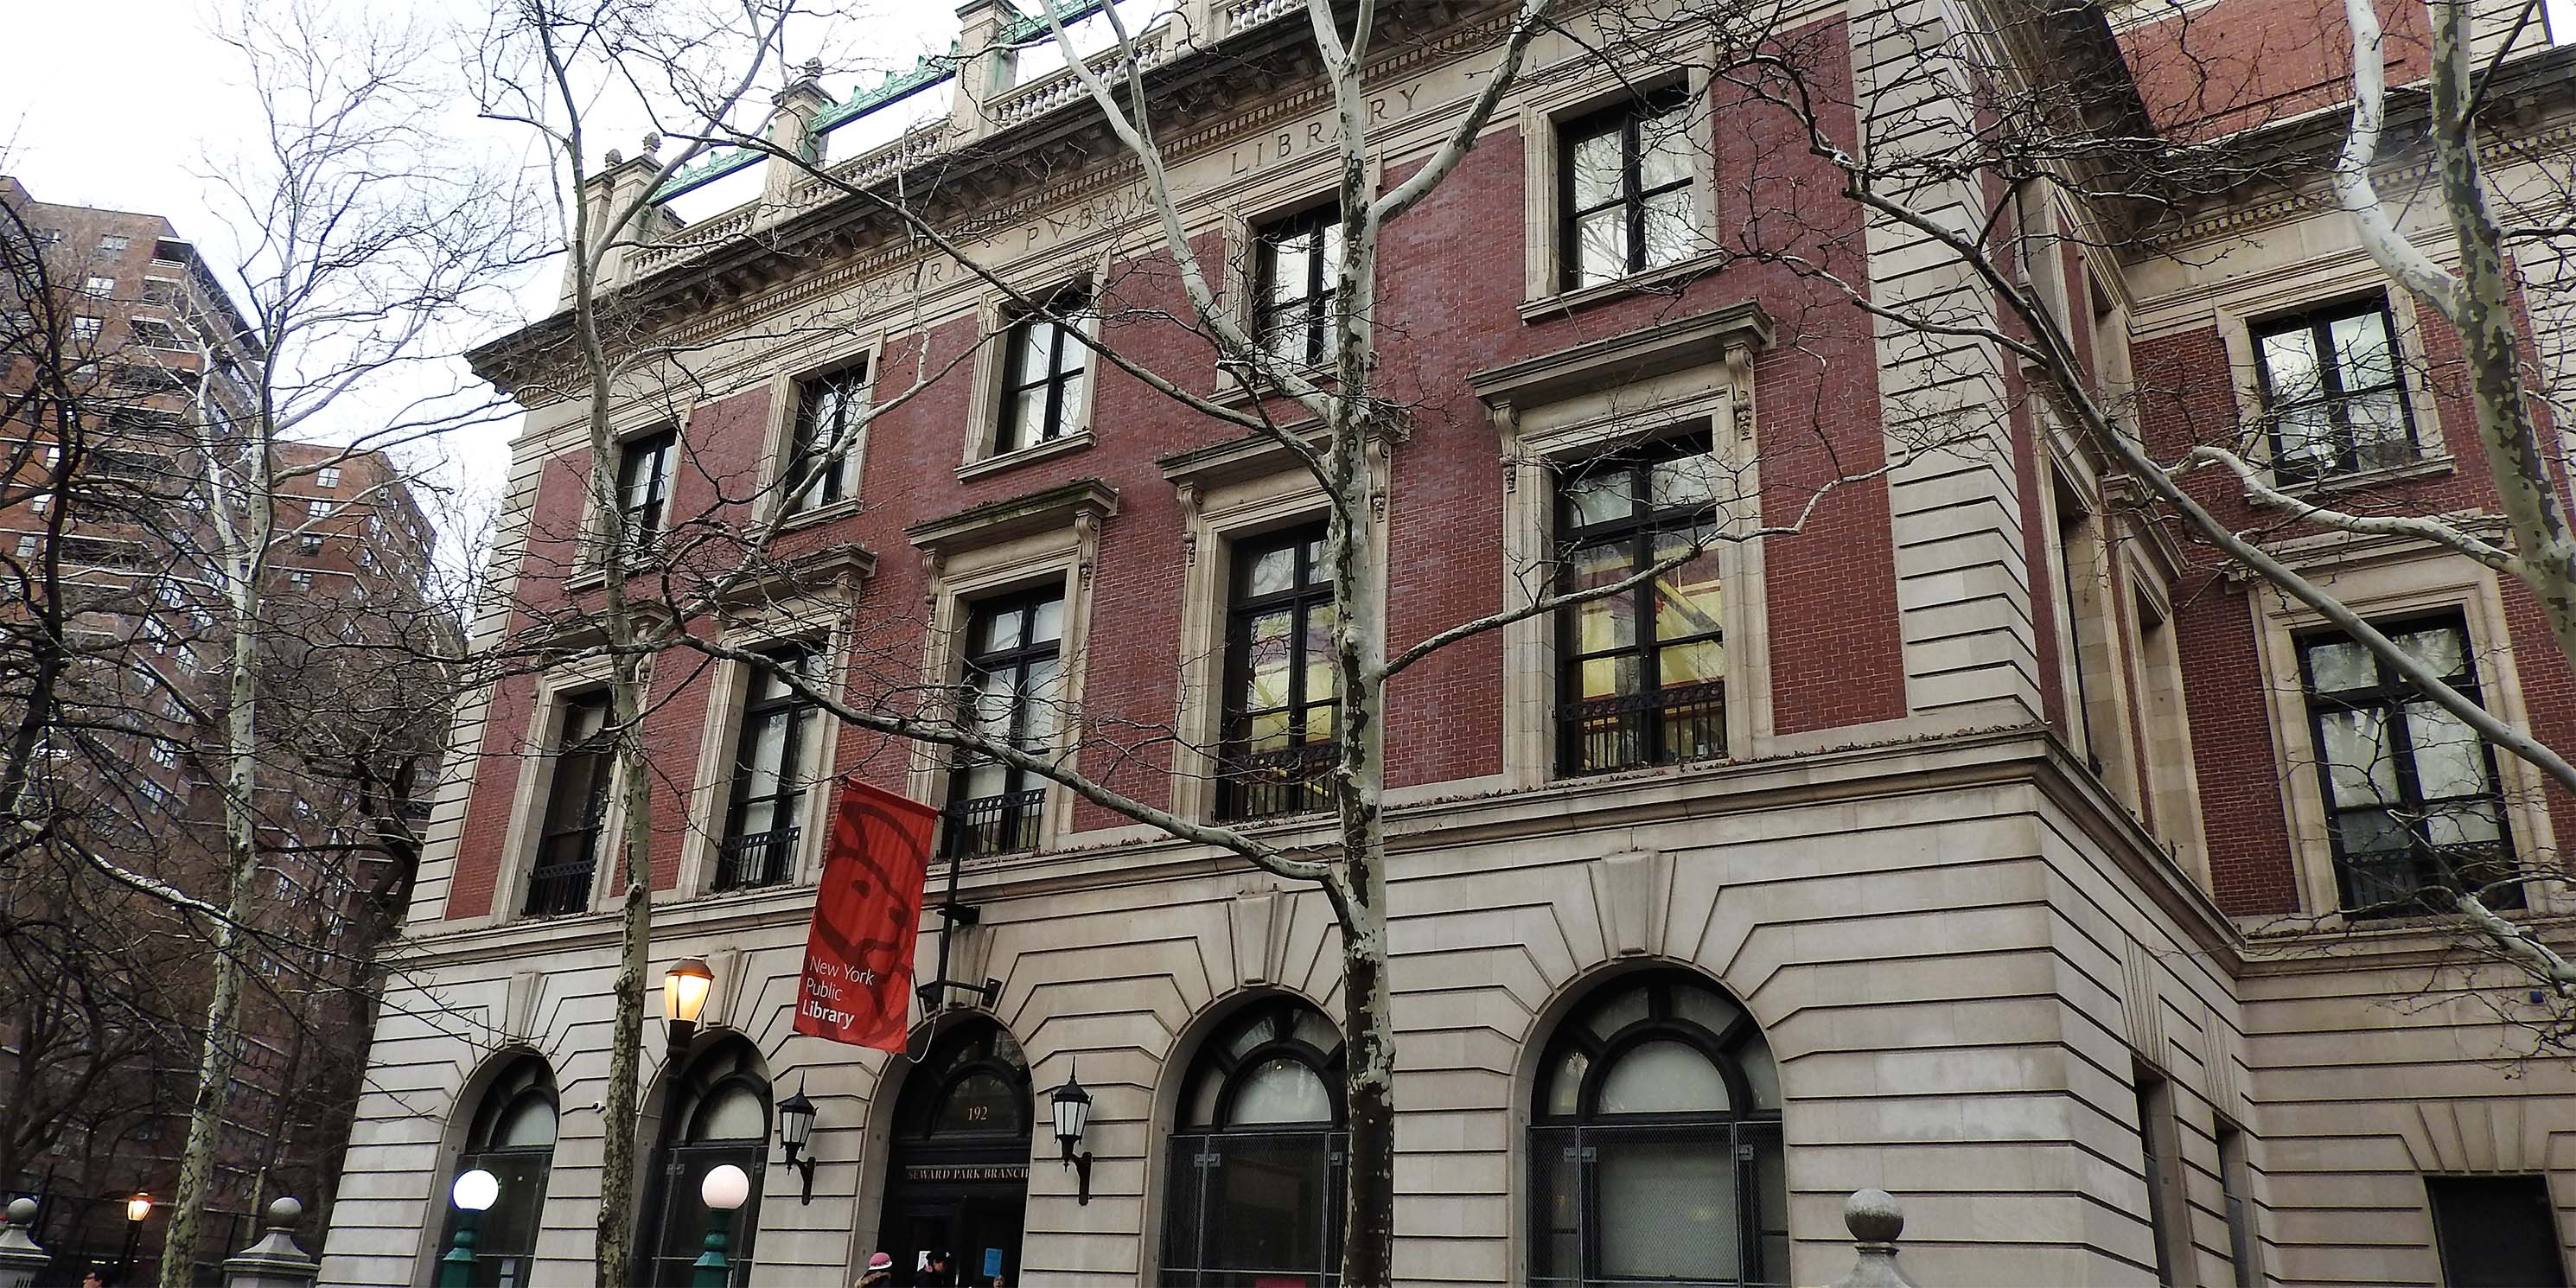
(615, 157)
(652, 142)
(22, 1211)
(285, 1211)
(1873, 1216)
(813, 69)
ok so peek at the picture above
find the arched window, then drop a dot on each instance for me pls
(957, 1178)
(1255, 1190)
(717, 1112)
(512, 1137)
(1655, 1143)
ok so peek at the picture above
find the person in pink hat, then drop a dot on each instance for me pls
(880, 1271)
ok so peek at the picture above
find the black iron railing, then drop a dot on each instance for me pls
(1003, 824)
(2427, 878)
(557, 889)
(1289, 780)
(1665, 726)
(757, 859)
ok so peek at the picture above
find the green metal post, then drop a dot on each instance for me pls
(713, 1271)
(456, 1269)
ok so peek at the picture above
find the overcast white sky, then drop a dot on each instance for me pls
(119, 103)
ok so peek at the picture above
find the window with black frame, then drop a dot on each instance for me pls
(2413, 809)
(1298, 274)
(513, 1138)
(1255, 1195)
(1624, 193)
(576, 807)
(1014, 677)
(643, 486)
(2334, 392)
(822, 459)
(715, 1113)
(1281, 695)
(764, 813)
(1641, 676)
(1043, 371)
(1655, 1149)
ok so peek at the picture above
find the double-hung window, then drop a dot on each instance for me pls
(2333, 391)
(1282, 697)
(2412, 804)
(1642, 671)
(769, 775)
(1298, 273)
(822, 459)
(1043, 375)
(1014, 683)
(576, 810)
(643, 487)
(1625, 189)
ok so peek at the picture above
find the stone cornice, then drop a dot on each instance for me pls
(2004, 759)
(824, 251)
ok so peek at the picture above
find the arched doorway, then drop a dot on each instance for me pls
(717, 1112)
(1654, 1146)
(957, 1175)
(1254, 1195)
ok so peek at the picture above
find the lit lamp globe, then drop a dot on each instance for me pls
(476, 1191)
(138, 1208)
(726, 1188)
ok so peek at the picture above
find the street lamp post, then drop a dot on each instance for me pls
(137, 1210)
(474, 1193)
(684, 995)
(724, 1191)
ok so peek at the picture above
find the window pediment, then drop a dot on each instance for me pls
(1083, 502)
(1642, 354)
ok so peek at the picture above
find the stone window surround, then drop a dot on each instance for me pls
(2171, 781)
(1600, 397)
(2378, 579)
(586, 573)
(1242, 488)
(786, 403)
(1017, 544)
(996, 321)
(1293, 191)
(2107, 698)
(2305, 289)
(555, 691)
(1543, 116)
(824, 628)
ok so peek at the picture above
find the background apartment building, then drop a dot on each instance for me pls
(128, 364)
(1978, 840)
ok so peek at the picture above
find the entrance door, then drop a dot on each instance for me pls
(978, 1226)
(958, 1178)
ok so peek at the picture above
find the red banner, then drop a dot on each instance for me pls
(857, 986)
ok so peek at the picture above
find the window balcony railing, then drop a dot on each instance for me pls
(559, 889)
(757, 859)
(1289, 780)
(1004, 824)
(1666, 726)
(2425, 879)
